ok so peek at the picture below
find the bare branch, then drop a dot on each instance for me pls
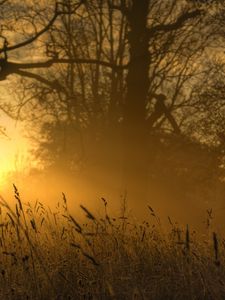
(55, 85)
(42, 31)
(177, 24)
(122, 8)
(162, 110)
(38, 65)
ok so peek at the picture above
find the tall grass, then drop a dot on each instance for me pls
(48, 254)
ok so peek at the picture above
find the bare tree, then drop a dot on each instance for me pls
(137, 55)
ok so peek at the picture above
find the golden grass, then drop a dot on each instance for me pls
(52, 255)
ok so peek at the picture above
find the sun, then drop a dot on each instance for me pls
(13, 151)
(9, 154)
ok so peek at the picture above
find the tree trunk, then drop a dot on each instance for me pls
(135, 127)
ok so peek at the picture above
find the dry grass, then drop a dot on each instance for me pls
(50, 255)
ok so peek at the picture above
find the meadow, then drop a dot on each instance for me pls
(46, 254)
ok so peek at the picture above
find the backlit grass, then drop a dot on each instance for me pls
(48, 254)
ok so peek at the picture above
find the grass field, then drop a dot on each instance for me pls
(52, 255)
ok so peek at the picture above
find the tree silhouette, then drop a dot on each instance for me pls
(153, 49)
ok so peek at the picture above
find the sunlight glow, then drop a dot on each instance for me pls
(13, 149)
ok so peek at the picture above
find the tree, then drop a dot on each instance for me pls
(138, 85)
(155, 48)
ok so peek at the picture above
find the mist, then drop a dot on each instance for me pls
(130, 109)
(112, 149)
(183, 182)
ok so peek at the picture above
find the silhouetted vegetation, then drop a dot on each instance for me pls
(55, 255)
(118, 96)
(110, 75)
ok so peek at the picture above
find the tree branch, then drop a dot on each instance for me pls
(55, 85)
(51, 62)
(42, 31)
(177, 24)
(160, 110)
(122, 8)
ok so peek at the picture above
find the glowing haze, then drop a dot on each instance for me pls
(14, 148)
